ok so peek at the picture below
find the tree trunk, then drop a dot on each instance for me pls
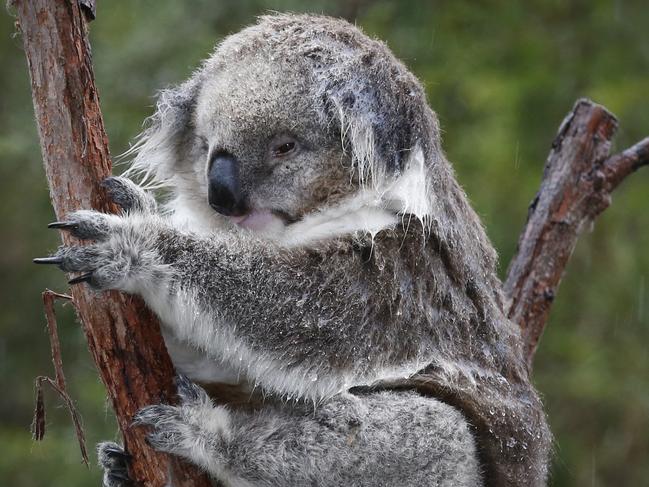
(123, 336)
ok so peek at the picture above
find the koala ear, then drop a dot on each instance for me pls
(384, 121)
(379, 106)
(167, 138)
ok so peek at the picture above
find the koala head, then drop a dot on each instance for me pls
(291, 116)
(264, 151)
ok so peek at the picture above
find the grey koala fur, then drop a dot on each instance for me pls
(362, 299)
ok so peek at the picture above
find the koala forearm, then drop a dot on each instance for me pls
(295, 321)
(269, 308)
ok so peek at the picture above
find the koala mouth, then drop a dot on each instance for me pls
(259, 220)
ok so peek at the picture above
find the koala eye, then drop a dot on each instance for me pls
(283, 148)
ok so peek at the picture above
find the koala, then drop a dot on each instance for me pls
(315, 251)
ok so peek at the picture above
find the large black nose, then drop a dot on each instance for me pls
(224, 193)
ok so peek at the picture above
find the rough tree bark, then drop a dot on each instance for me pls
(578, 180)
(123, 336)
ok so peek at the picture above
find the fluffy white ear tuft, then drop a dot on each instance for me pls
(372, 209)
(166, 139)
(410, 193)
(358, 134)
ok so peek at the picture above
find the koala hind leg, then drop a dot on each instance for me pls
(383, 438)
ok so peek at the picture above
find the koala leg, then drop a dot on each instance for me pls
(380, 439)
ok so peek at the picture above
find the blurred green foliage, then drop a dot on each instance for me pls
(501, 75)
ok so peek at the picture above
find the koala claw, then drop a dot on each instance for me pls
(48, 260)
(85, 225)
(62, 225)
(128, 195)
(86, 277)
(114, 461)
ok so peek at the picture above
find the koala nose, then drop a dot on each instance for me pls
(224, 192)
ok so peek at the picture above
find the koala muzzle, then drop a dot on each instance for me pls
(224, 193)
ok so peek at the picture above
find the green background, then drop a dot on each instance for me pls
(501, 75)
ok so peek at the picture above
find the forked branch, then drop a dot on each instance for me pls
(578, 180)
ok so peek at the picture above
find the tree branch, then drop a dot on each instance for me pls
(577, 183)
(58, 383)
(123, 336)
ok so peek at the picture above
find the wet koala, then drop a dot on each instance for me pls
(315, 247)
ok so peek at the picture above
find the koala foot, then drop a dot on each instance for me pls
(114, 461)
(195, 429)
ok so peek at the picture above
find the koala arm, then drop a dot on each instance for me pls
(384, 438)
(293, 320)
(293, 317)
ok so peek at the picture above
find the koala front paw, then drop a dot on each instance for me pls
(114, 461)
(128, 195)
(121, 256)
(195, 429)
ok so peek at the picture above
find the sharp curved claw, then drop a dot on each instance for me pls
(63, 225)
(48, 260)
(82, 278)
